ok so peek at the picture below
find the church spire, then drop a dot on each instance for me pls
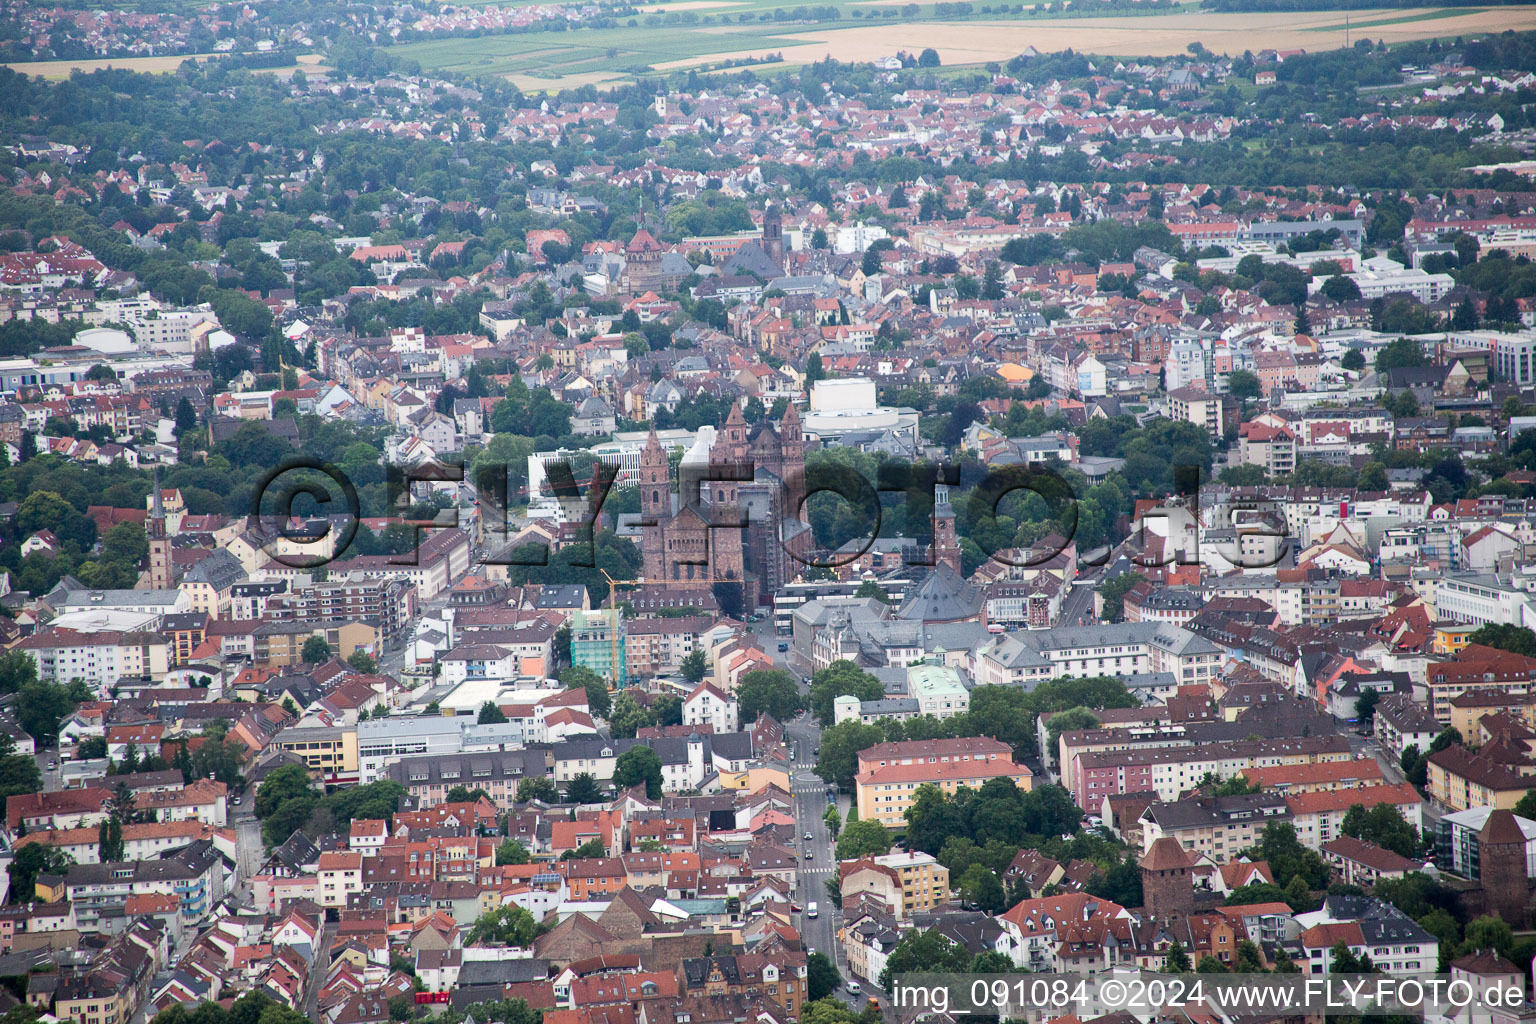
(160, 577)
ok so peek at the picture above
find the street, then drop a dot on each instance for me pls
(818, 934)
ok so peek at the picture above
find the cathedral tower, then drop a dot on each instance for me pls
(655, 503)
(159, 542)
(773, 233)
(946, 544)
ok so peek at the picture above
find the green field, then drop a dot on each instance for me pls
(615, 52)
(549, 61)
(566, 59)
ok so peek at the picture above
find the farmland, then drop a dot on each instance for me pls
(553, 61)
(57, 69)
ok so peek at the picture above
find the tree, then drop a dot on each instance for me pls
(924, 951)
(1210, 965)
(929, 58)
(282, 784)
(1113, 594)
(1404, 352)
(628, 717)
(17, 669)
(598, 697)
(1244, 384)
(1069, 720)
(363, 662)
(316, 651)
(490, 714)
(980, 887)
(694, 665)
(18, 773)
(1465, 318)
(834, 821)
(837, 759)
(509, 925)
(1383, 825)
(768, 691)
(538, 787)
(1177, 961)
(186, 416)
(1365, 708)
(1526, 808)
(639, 764)
(32, 860)
(109, 841)
(863, 839)
(41, 706)
(583, 789)
(822, 978)
(1120, 884)
(1288, 859)
(587, 850)
(512, 852)
(839, 679)
(1515, 639)
(465, 795)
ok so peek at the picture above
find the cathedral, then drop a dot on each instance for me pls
(739, 524)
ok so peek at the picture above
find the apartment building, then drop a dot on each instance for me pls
(382, 742)
(1402, 722)
(194, 876)
(329, 752)
(598, 642)
(98, 659)
(1193, 405)
(1318, 817)
(1216, 827)
(498, 772)
(657, 646)
(1461, 780)
(387, 603)
(441, 556)
(281, 644)
(1457, 842)
(1116, 649)
(340, 874)
(1171, 772)
(905, 882)
(885, 793)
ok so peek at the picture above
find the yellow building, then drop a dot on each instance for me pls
(906, 882)
(95, 999)
(753, 779)
(884, 793)
(1452, 637)
(1469, 709)
(1460, 779)
(330, 753)
(281, 644)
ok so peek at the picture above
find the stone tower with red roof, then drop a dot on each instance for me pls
(1501, 868)
(1167, 880)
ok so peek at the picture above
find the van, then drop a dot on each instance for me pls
(810, 909)
(854, 988)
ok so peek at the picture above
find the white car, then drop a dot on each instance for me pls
(854, 988)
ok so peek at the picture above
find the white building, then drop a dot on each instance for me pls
(708, 706)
